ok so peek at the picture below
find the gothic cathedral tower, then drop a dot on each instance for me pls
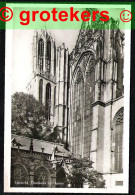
(49, 80)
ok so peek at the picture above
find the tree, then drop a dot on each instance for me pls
(55, 135)
(81, 171)
(29, 117)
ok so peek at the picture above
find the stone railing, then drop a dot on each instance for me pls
(47, 75)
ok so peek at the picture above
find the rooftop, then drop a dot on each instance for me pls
(25, 142)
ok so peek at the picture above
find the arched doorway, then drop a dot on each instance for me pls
(61, 180)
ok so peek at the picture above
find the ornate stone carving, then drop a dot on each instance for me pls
(119, 119)
(41, 175)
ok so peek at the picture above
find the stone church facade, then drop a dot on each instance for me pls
(38, 163)
(84, 94)
(96, 101)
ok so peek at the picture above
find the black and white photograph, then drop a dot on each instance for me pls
(67, 108)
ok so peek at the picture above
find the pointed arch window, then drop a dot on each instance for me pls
(120, 86)
(48, 56)
(98, 51)
(77, 103)
(54, 98)
(41, 54)
(117, 142)
(82, 97)
(48, 101)
(20, 175)
(54, 61)
(40, 90)
(41, 177)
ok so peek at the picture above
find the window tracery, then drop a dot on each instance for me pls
(40, 177)
(40, 54)
(48, 56)
(82, 99)
(19, 176)
(117, 142)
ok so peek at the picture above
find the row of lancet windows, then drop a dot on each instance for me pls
(78, 107)
(47, 97)
(41, 55)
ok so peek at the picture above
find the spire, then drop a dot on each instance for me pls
(35, 32)
(63, 45)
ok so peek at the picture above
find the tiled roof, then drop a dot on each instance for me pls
(38, 144)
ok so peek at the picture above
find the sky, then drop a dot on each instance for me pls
(22, 54)
(22, 51)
